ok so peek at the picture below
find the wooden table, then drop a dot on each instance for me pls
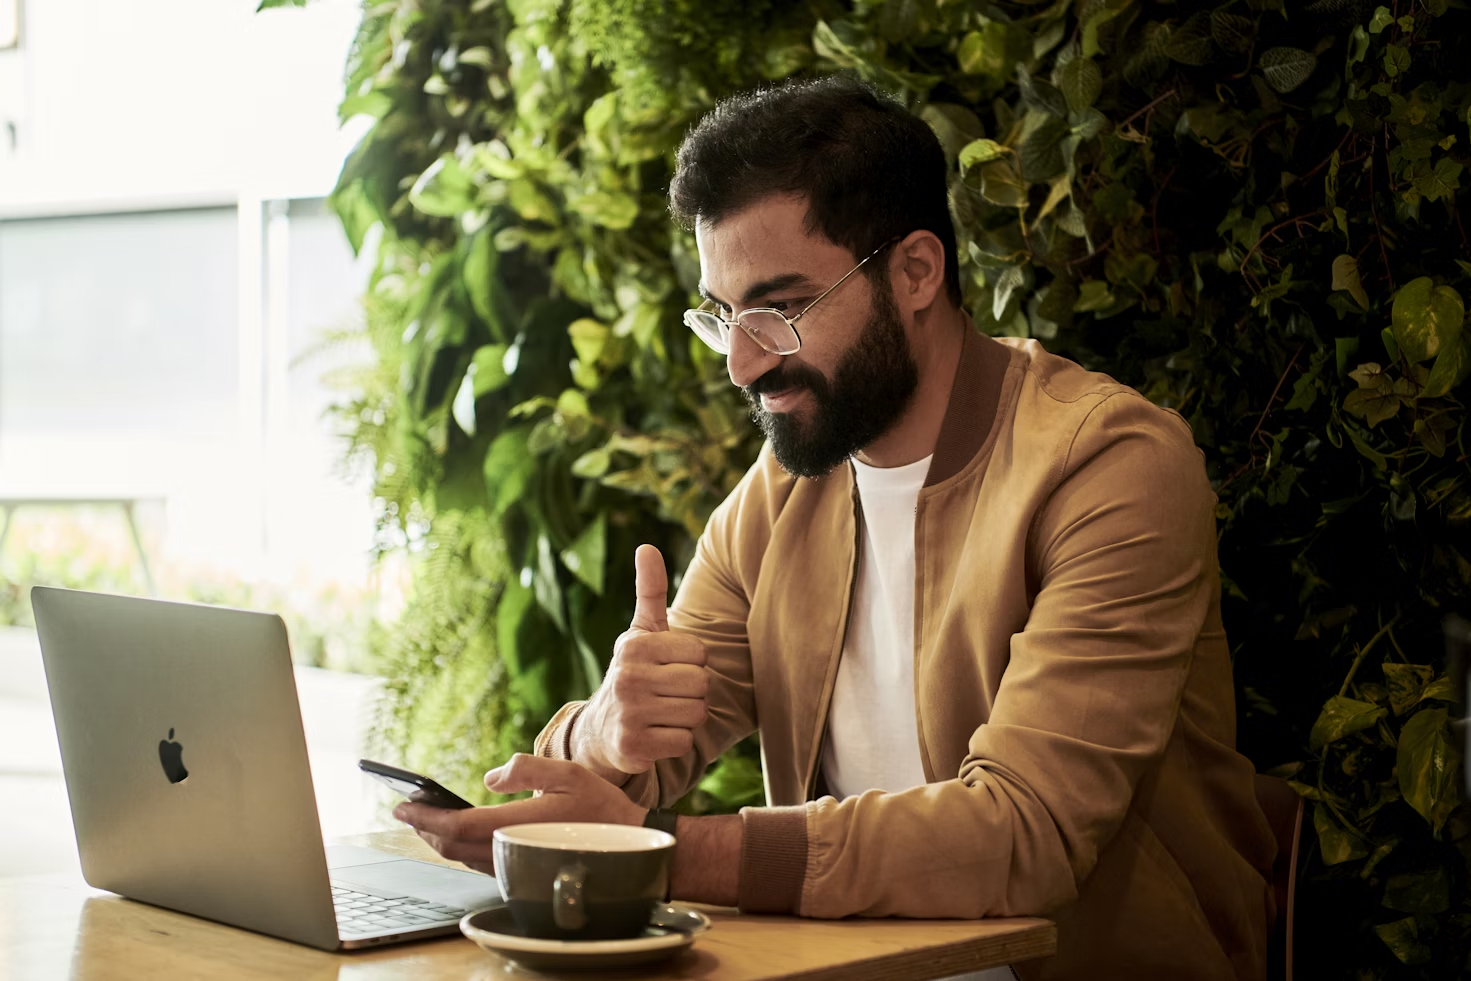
(56, 927)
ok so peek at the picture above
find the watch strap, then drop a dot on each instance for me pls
(661, 820)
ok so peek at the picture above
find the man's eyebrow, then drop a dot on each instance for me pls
(758, 290)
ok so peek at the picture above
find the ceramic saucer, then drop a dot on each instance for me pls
(671, 929)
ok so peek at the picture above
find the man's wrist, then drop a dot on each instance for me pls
(707, 859)
(582, 748)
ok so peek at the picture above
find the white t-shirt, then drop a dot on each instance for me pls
(872, 735)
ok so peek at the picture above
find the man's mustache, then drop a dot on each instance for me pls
(786, 378)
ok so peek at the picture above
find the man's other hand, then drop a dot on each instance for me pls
(566, 792)
(654, 694)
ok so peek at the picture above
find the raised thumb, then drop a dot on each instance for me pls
(650, 610)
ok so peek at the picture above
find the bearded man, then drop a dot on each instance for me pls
(968, 594)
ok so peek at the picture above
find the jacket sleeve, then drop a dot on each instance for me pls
(712, 604)
(1124, 546)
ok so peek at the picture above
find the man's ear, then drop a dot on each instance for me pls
(917, 270)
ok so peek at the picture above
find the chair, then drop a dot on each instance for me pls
(1284, 811)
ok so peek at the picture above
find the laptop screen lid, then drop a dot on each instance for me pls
(185, 760)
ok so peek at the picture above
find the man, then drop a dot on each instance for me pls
(968, 591)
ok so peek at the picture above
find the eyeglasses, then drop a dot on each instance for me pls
(772, 329)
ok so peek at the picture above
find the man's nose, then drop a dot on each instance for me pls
(747, 360)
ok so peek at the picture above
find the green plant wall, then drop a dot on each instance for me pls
(1251, 210)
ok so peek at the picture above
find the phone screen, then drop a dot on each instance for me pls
(415, 786)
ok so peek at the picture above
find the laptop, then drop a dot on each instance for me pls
(186, 767)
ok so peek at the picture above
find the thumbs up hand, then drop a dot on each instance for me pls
(653, 696)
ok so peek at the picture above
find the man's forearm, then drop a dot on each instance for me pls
(707, 860)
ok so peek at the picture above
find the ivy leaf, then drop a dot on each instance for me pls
(1190, 43)
(1426, 318)
(1093, 295)
(1040, 95)
(1233, 32)
(463, 406)
(1055, 301)
(572, 404)
(1088, 123)
(609, 209)
(1380, 853)
(1341, 717)
(1382, 18)
(510, 614)
(829, 45)
(1396, 60)
(1427, 764)
(1081, 82)
(1441, 182)
(1449, 370)
(1368, 452)
(509, 467)
(488, 369)
(589, 337)
(1060, 189)
(736, 780)
(990, 51)
(1402, 937)
(1286, 68)
(444, 189)
(1000, 185)
(1041, 155)
(587, 556)
(1346, 277)
(1418, 892)
(1372, 406)
(1007, 283)
(592, 464)
(545, 585)
(1441, 688)
(1405, 682)
(1334, 842)
(1391, 346)
(528, 201)
(955, 126)
(981, 151)
(1358, 45)
(1101, 15)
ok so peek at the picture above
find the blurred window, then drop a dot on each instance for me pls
(120, 323)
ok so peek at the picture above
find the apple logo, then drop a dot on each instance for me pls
(171, 755)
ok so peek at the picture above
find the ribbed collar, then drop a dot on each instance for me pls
(975, 396)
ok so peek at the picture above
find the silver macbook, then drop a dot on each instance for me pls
(186, 766)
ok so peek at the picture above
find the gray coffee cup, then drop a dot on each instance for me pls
(582, 881)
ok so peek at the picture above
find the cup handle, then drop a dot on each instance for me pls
(568, 909)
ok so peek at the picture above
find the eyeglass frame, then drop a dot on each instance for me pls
(790, 321)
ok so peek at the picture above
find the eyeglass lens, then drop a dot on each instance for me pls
(770, 330)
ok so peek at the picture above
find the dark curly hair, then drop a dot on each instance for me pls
(870, 170)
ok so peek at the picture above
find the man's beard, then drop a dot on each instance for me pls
(873, 385)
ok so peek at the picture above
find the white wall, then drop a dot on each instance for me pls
(122, 102)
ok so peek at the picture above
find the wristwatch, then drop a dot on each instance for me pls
(661, 820)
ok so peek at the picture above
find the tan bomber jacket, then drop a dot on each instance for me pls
(1072, 685)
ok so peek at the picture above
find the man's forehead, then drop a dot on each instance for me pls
(764, 242)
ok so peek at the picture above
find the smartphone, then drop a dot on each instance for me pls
(416, 787)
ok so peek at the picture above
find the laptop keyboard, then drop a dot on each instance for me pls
(360, 914)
